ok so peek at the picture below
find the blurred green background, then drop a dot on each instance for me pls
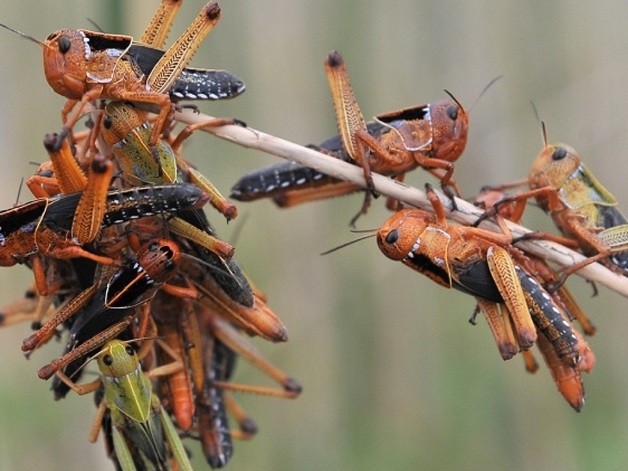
(394, 376)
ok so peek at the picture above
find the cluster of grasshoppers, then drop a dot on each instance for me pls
(127, 268)
(123, 255)
(522, 297)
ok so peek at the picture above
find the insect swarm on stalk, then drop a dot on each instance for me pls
(118, 268)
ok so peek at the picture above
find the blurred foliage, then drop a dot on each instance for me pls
(395, 378)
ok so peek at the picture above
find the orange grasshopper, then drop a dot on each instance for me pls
(475, 261)
(430, 136)
(132, 284)
(567, 377)
(68, 176)
(84, 65)
(218, 285)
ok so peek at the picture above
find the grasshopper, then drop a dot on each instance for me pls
(67, 176)
(431, 136)
(475, 261)
(126, 130)
(83, 65)
(581, 207)
(136, 414)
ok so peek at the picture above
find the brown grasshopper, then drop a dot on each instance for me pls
(476, 261)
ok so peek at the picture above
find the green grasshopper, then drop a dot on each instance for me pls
(138, 420)
(585, 212)
(127, 130)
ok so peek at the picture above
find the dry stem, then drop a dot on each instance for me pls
(466, 213)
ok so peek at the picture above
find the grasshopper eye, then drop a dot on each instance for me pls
(129, 350)
(64, 44)
(452, 112)
(559, 154)
(107, 360)
(107, 122)
(392, 236)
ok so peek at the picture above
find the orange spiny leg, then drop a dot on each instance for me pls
(43, 184)
(236, 342)
(503, 272)
(176, 59)
(530, 362)
(348, 115)
(247, 427)
(91, 208)
(41, 277)
(48, 329)
(157, 30)
(68, 173)
(506, 343)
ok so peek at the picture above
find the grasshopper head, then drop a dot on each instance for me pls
(117, 359)
(65, 62)
(554, 165)
(160, 258)
(450, 124)
(400, 236)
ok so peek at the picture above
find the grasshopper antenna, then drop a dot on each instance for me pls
(211, 267)
(95, 25)
(24, 35)
(484, 90)
(19, 192)
(539, 120)
(371, 233)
